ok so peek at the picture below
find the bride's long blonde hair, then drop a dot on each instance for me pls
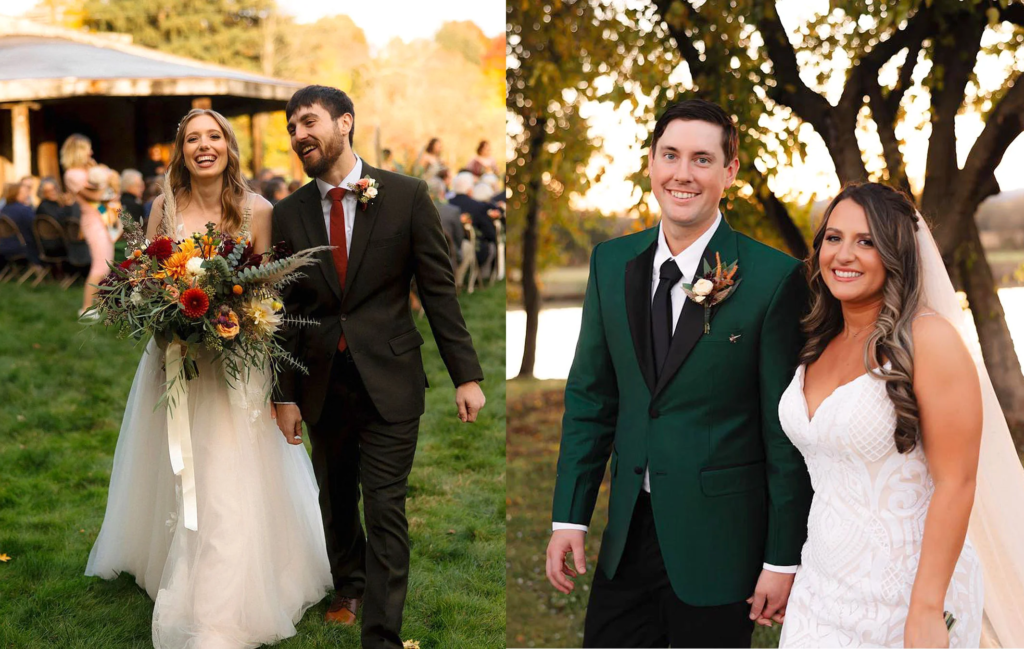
(234, 190)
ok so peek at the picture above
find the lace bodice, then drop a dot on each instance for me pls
(865, 526)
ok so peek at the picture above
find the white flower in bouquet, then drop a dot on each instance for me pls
(194, 267)
(136, 297)
(263, 315)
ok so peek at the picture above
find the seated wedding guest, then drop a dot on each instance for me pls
(451, 216)
(483, 162)
(132, 189)
(274, 190)
(18, 207)
(153, 190)
(387, 161)
(154, 166)
(49, 200)
(481, 214)
(294, 185)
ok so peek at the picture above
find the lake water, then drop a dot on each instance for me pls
(560, 328)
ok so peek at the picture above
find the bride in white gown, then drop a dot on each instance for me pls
(887, 410)
(258, 558)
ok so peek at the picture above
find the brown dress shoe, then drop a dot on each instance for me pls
(342, 610)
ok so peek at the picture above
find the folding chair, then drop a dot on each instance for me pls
(49, 238)
(79, 256)
(19, 251)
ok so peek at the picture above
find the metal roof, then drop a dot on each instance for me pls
(39, 62)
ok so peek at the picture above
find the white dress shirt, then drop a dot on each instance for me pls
(688, 260)
(348, 202)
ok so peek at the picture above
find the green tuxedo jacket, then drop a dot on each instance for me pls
(729, 491)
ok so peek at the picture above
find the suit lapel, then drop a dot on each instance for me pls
(639, 272)
(690, 326)
(363, 227)
(312, 217)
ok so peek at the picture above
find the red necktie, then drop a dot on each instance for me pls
(338, 239)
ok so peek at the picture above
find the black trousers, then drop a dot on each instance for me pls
(639, 609)
(355, 449)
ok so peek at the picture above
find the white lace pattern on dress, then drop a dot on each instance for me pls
(865, 526)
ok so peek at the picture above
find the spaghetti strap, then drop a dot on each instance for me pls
(247, 216)
(921, 315)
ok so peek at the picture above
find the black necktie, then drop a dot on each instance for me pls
(661, 312)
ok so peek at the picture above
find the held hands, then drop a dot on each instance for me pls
(470, 400)
(770, 597)
(925, 627)
(289, 420)
(558, 571)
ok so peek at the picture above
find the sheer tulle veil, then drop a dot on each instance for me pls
(997, 520)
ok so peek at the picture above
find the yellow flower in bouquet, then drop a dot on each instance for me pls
(263, 315)
(176, 265)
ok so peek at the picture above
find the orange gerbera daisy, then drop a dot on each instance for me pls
(175, 264)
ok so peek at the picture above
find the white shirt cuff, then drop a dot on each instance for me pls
(567, 526)
(786, 570)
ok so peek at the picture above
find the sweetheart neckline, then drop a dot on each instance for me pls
(803, 395)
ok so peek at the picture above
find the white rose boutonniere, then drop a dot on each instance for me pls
(714, 286)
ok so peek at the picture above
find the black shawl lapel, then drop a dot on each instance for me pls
(690, 326)
(363, 226)
(639, 274)
(312, 217)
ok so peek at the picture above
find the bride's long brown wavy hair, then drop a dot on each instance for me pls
(234, 190)
(892, 219)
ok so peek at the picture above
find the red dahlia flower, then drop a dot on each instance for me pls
(194, 303)
(126, 264)
(161, 248)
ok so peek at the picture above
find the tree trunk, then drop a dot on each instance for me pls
(996, 344)
(777, 213)
(531, 291)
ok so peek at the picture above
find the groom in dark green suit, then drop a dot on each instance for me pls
(709, 499)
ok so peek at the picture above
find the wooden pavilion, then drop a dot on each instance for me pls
(125, 98)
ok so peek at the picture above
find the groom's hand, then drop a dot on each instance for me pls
(563, 542)
(770, 597)
(470, 399)
(289, 420)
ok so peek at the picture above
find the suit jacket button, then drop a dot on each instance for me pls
(639, 470)
(344, 317)
(654, 413)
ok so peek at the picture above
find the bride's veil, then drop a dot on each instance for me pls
(997, 520)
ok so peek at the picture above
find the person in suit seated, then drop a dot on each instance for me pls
(132, 188)
(451, 216)
(482, 215)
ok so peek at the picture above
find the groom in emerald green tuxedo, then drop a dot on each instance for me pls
(677, 378)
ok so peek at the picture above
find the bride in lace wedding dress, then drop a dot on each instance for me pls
(892, 451)
(257, 558)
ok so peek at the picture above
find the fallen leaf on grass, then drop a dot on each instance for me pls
(451, 531)
(4, 558)
(36, 346)
(411, 644)
(21, 417)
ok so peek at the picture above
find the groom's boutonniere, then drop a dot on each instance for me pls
(714, 286)
(365, 189)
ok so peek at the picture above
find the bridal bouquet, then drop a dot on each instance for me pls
(209, 291)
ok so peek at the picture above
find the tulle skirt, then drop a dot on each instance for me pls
(258, 559)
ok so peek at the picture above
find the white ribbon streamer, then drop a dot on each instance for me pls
(179, 435)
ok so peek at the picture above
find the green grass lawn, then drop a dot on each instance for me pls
(539, 615)
(62, 395)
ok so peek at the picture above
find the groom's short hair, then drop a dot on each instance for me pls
(699, 110)
(334, 101)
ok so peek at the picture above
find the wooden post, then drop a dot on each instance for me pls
(258, 127)
(22, 140)
(47, 160)
(202, 102)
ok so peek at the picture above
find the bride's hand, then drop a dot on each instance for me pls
(925, 628)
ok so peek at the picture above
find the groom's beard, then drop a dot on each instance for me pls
(329, 154)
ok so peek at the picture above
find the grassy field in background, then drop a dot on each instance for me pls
(62, 395)
(539, 615)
